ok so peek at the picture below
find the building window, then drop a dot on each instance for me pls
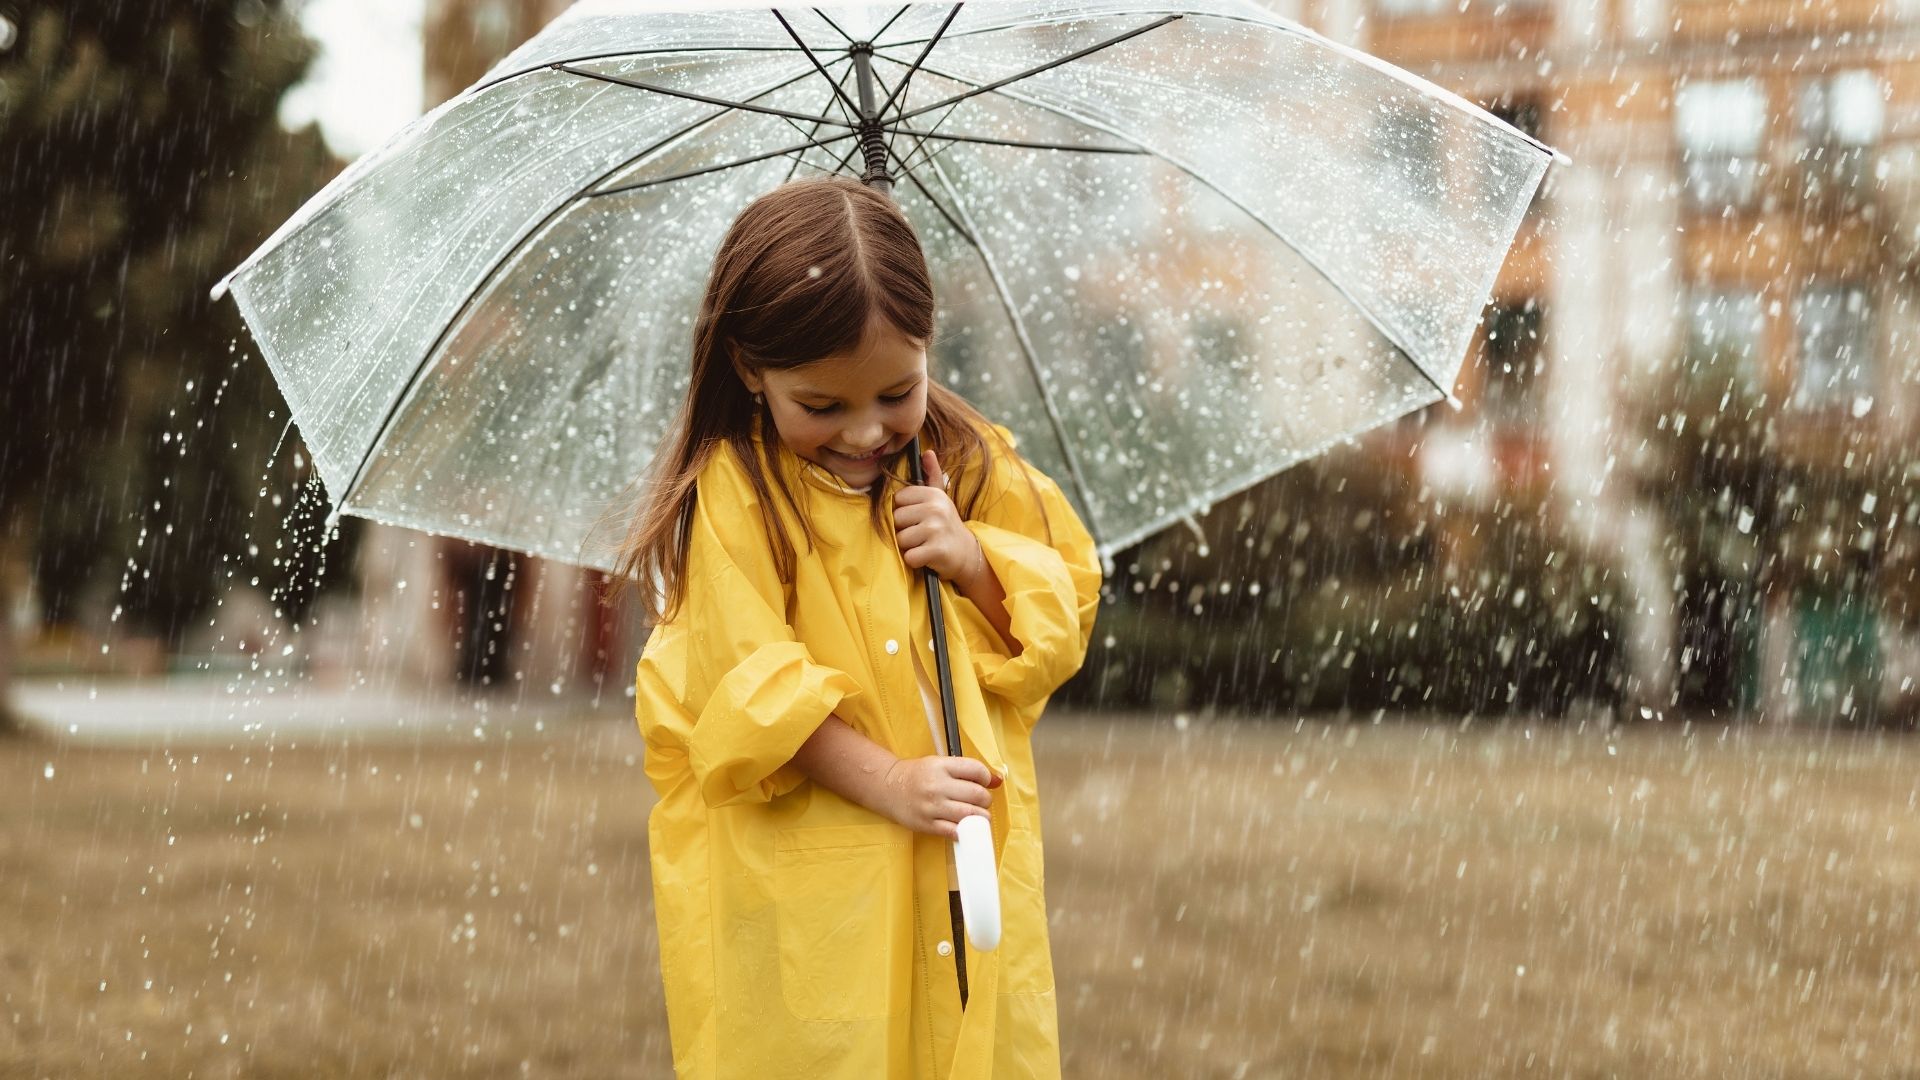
(1841, 117)
(1513, 362)
(1836, 345)
(1721, 125)
(1726, 336)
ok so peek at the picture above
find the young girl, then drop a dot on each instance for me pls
(801, 847)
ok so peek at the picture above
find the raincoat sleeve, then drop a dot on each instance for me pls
(1052, 584)
(729, 694)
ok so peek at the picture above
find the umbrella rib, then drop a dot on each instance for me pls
(691, 96)
(1027, 351)
(1268, 21)
(1058, 18)
(801, 158)
(1030, 72)
(560, 207)
(1392, 337)
(961, 137)
(782, 152)
(901, 90)
(888, 25)
(893, 130)
(835, 25)
(920, 143)
(815, 132)
(622, 54)
(845, 100)
(944, 212)
(846, 157)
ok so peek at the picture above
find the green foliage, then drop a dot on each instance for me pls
(1327, 589)
(142, 160)
(1762, 498)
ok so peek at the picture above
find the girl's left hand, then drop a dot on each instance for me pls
(928, 527)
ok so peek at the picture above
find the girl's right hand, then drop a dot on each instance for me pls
(931, 794)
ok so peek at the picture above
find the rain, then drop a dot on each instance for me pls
(1496, 422)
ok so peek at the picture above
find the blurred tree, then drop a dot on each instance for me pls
(1767, 505)
(1329, 588)
(140, 158)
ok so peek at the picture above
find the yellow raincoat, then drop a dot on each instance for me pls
(802, 935)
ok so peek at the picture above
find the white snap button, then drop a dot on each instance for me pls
(892, 646)
(945, 948)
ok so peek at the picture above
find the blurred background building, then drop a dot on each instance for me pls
(1699, 372)
(1683, 476)
(1681, 481)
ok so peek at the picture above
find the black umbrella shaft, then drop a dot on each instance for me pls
(874, 147)
(873, 144)
(934, 610)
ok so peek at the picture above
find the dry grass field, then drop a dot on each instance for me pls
(1229, 899)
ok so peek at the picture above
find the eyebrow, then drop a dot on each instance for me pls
(809, 391)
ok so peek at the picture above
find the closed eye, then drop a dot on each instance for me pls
(891, 399)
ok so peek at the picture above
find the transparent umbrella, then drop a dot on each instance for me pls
(1177, 248)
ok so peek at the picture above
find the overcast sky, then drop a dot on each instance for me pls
(366, 83)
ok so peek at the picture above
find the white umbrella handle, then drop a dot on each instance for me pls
(979, 882)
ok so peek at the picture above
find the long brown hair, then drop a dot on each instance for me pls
(798, 277)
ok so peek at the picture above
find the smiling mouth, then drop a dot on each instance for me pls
(867, 460)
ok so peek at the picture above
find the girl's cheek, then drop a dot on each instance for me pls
(800, 427)
(816, 432)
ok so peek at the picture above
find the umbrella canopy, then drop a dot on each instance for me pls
(1176, 248)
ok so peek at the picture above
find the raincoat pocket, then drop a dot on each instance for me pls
(841, 939)
(1029, 966)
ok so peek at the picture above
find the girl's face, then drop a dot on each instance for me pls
(851, 412)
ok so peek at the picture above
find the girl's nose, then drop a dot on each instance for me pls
(865, 435)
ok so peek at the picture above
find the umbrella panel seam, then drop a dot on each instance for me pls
(1179, 164)
(724, 103)
(1264, 19)
(1027, 352)
(1030, 72)
(757, 158)
(466, 305)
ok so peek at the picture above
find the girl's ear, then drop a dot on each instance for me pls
(747, 378)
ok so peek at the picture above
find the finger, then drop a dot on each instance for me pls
(966, 768)
(930, 464)
(954, 811)
(971, 794)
